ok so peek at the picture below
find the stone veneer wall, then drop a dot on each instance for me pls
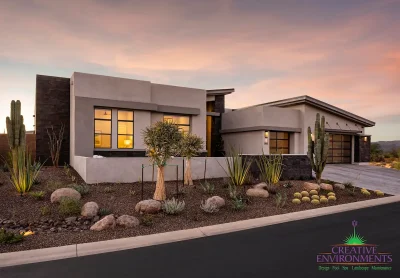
(216, 147)
(296, 167)
(52, 109)
(362, 149)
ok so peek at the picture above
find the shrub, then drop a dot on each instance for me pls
(209, 207)
(238, 204)
(207, 187)
(296, 201)
(147, 220)
(9, 237)
(37, 194)
(108, 189)
(132, 192)
(232, 191)
(288, 184)
(104, 211)
(238, 167)
(348, 184)
(83, 189)
(45, 210)
(173, 206)
(53, 185)
(297, 195)
(280, 200)
(69, 206)
(271, 168)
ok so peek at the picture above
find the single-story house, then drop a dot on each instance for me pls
(104, 116)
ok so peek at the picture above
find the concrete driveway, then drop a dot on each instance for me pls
(368, 176)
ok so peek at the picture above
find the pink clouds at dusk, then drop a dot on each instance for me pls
(346, 53)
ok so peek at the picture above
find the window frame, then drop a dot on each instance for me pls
(133, 128)
(276, 149)
(180, 115)
(94, 127)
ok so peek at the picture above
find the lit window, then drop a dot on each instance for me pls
(183, 122)
(279, 142)
(102, 128)
(125, 129)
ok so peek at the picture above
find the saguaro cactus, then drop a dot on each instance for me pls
(318, 148)
(15, 131)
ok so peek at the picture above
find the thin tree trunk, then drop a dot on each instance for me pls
(188, 173)
(160, 194)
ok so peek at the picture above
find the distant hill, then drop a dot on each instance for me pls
(387, 146)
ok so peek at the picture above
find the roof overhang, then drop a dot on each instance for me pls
(321, 105)
(220, 92)
(259, 128)
(343, 131)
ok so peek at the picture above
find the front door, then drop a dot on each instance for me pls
(339, 148)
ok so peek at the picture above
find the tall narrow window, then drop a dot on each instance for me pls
(279, 142)
(102, 128)
(125, 129)
(183, 122)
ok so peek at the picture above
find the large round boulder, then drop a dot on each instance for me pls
(326, 186)
(218, 201)
(261, 185)
(128, 221)
(257, 192)
(339, 186)
(57, 195)
(148, 206)
(90, 209)
(104, 223)
(311, 186)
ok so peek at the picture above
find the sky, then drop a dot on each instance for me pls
(346, 53)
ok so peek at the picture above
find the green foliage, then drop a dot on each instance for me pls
(315, 197)
(24, 173)
(305, 193)
(209, 207)
(377, 154)
(297, 195)
(45, 210)
(37, 194)
(272, 189)
(104, 211)
(9, 237)
(348, 184)
(190, 145)
(207, 187)
(53, 185)
(15, 127)
(271, 168)
(288, 184)
(323, 200)
(232, 191)
(132, 192)
(238, 204)
(296, 201)
(147, 220)
(69, 206)
(318, 148)
(305, 199)
(162, 141)
(173, 206)
(315, 201)
(83, 189)
(238, 167)
(313, 192)
(280, 200)
(108, 189)
(331, 198)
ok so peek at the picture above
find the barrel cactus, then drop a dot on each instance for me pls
(305, 194)
(305, 199)
(315, 197)
(297, 195)
(313, 192)
(366, 193)
(315, 202)
(331, 194)
(379, 193)
(296, 201)
(332, 198)
(323, 200)
(318, 148)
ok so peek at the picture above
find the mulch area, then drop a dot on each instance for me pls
(122, 198)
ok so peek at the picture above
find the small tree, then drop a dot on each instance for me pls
(318, 148)
(190, 146)
(55, 141)
(162, 141)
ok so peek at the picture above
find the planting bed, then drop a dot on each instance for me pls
(51, 229)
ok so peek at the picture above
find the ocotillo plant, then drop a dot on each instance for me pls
(318, 149)
(15, 131)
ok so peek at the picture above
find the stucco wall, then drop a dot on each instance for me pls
(127, 169)
(247, 142)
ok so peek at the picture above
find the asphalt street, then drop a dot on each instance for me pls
(283, 250)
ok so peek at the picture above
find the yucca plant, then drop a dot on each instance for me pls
(271, 168)
(25, 174)
(238, 167)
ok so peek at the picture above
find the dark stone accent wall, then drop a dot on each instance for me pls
(362, 149)
(217, 148)
(219, 105)
(295, 167)
(108, 153)
(52, 109)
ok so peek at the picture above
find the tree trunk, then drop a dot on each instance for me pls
(188, 173)
(160, 194)
(318, 177)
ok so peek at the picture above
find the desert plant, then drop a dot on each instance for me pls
(323, 200)
(280, 200)
(207, 187)
(108, 189)
(238, 167)
(313, 192)
(305, 199)
(272, 188)
(209, 207)
(331, 198)
(315, 202)
(104, 211)
(37, 194)
(9, 237)
(69, 206)
(348, 184)
(315, 197)
(304, 193)
(16, 135)
(53, 185)
(331, 194)
(318, 147)
(238, 204)
(297, 195)
(190, 146)
(147, 220)
(132, 192)
(288, 184)
(162, 142)
(83, 189)
(296, 201)
(232, 191)
(45, 210)
(24, 175)
(55, 141)
(271, 168)
(173, 206)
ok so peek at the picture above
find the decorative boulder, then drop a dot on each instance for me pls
(261, 185)
(218, 201)
(339, 186)
(127, 221)
(148, 206)
(257, 192)
(57, 195)
(104, 223)
(90, 209)
(311, 186)
(326, 186)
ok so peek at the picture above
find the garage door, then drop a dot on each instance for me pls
(339, 148)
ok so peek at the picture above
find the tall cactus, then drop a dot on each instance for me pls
(318, 149)
(15, 131)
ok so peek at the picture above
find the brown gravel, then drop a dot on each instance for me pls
(120, 201)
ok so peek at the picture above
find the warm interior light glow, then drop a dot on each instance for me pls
(127, 142)
(312, 137)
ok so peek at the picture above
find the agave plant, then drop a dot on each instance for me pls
(271, 168)
(238, 167)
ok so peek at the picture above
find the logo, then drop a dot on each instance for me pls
(354, 254)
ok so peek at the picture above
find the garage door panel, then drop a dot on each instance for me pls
(339, 149)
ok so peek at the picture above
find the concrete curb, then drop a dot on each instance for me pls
(91, 248)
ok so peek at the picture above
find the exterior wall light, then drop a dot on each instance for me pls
(266, 136)
(312, 137)
(365, 139)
